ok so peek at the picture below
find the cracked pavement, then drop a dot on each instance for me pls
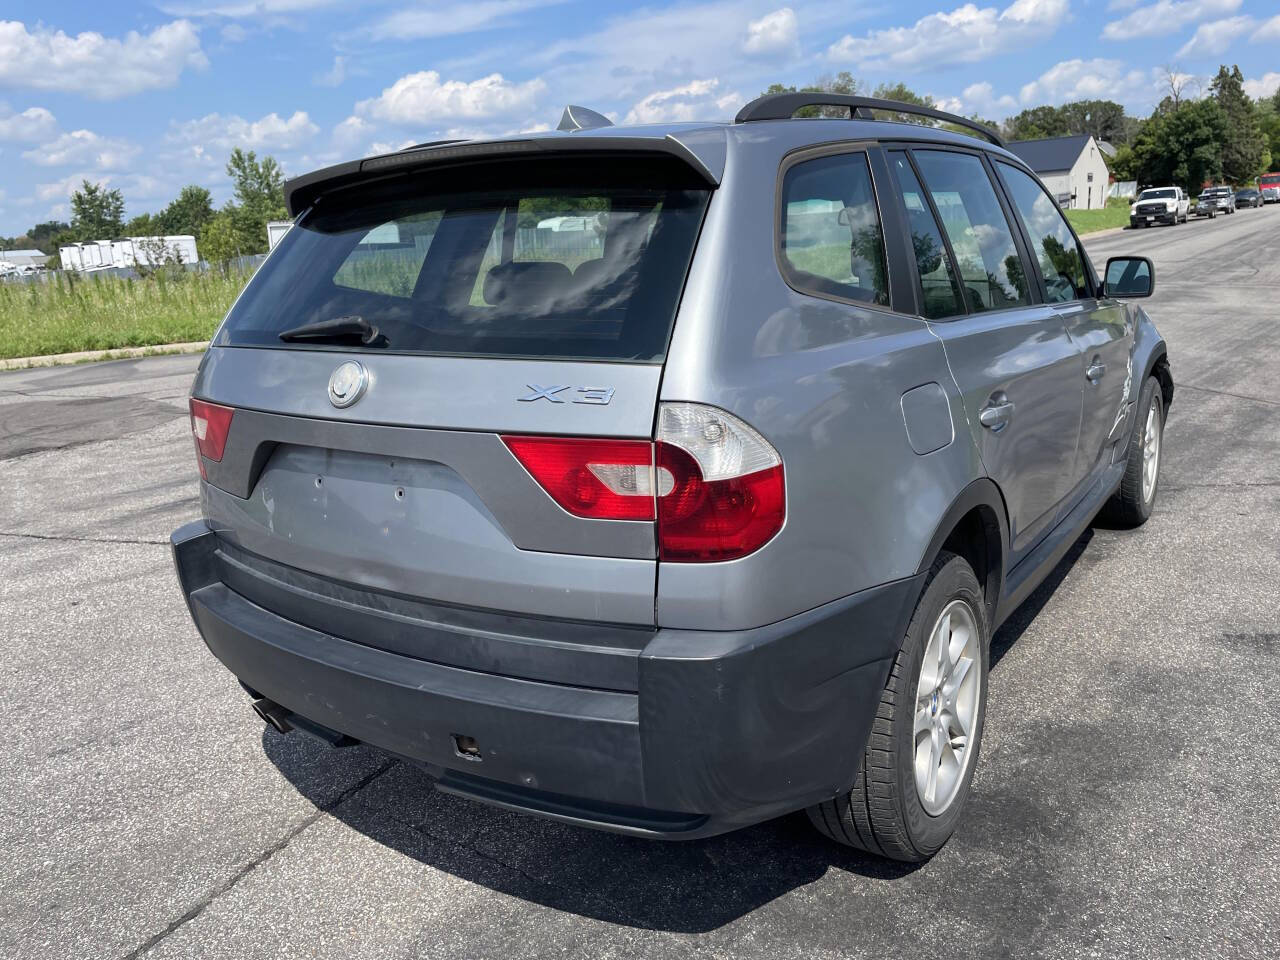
(1124, 804)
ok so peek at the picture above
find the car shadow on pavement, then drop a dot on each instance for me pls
(1021, 618)
(681, 887)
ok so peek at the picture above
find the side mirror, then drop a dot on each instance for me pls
(1129, 277)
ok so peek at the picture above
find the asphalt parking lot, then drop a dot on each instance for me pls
(1125, 804)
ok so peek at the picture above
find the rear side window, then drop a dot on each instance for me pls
(991, 271)
(1060, 259)
(564, 260)
(940, 292)
(831, 239)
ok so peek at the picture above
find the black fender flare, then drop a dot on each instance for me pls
(982, 492)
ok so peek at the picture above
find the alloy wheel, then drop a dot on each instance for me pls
(948, 697)
(1151, 450)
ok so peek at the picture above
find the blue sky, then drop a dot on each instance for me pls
(150, 96)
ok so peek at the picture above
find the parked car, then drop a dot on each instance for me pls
(1248, 197)
(1215, 200)
(706, 523)
(1169, 205)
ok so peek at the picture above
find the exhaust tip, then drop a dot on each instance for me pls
(272, 714)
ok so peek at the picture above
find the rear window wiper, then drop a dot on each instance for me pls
(337, 328)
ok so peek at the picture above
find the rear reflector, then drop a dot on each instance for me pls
(600, 479)
(718, 485)
(210, 424)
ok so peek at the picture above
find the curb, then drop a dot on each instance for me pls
(1086, 237)
(90, 356)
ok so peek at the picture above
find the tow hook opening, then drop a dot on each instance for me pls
(272, 714)
(466, 747)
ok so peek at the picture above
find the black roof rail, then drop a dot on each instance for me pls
(783, 106)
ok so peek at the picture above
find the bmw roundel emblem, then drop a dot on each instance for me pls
(348, 383)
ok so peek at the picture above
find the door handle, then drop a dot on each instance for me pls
(1096, 370)
(996, 414)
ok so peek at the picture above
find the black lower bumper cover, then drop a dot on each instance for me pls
(726, 729)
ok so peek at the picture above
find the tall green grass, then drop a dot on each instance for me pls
(98, 312)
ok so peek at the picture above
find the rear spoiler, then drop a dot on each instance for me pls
(301, 192)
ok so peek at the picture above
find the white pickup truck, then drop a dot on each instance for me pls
(1169, 205)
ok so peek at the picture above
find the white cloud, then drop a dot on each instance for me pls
(334, 76)
(1165, 17)
(421, 99)
(32, 124)
(1264, 86)
(1213, 38)
(966, 34)
(81, 147)
(774, 33)
(351, 131)
(94, 66)
(379, 147)
(1096, 79)
(233, 33)
(979, 98)
(1270, 30)
(699, 100)
(272, 132)
(442, 20)
(242, 8)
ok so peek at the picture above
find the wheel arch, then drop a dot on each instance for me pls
(976, 527)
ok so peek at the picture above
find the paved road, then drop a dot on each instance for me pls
(1125, 805)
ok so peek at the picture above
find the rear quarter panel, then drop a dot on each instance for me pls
(822, 380)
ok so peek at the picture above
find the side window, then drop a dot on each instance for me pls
(991, 271)
(389, 257)
(940, 293)
(1060, 259)
(831, 239)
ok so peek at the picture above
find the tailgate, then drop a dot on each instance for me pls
(402, 328)
(412, 491)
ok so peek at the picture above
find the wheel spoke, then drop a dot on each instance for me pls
(962, 667)
(935, 762)
(922, 718)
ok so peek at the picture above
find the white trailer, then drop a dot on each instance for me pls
(129, 252)
(276, 229)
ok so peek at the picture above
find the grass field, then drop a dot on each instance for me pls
(71, 313)
(1115, 214)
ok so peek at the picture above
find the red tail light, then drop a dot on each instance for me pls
(601, 479)
(721, 488)
(718, 485)
(210, 424)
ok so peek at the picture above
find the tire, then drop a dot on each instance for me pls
(1132, 503)
(885, 812)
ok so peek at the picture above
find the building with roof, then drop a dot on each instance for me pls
(1073, 168)
(24, 258)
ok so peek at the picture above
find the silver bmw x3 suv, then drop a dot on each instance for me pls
(666, 479)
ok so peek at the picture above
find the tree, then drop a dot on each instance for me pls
(842, 83)
(259, 188)
(1174, 82)
(257, 182)
(1244, 145)
(218, 240)
(143, 225)
(1036, 123)
(189, 212)
(1183, 147)
(96, 212)
(1100, 119)
(903, 94)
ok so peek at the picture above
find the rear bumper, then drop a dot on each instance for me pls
(718, 730)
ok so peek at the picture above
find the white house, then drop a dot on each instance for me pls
(1073, 168)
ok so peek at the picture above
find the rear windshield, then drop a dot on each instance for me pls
(563, 260)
